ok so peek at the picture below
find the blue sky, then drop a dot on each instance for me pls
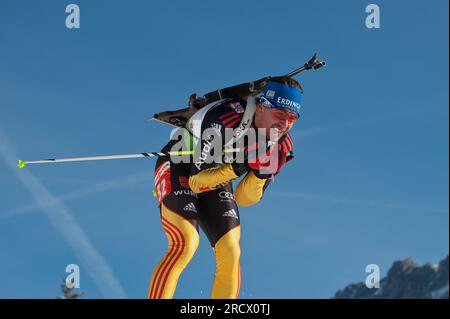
(369, 183)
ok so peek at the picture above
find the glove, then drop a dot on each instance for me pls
(271, 162)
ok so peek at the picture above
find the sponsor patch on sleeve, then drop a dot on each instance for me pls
(237, 107)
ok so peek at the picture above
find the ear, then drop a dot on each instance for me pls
(260, 108)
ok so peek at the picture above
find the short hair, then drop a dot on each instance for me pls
(287, 80)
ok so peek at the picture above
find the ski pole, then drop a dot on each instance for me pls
(22, 163)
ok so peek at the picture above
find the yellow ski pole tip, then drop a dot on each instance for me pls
(21, 164)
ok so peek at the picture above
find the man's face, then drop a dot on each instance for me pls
(280, 121)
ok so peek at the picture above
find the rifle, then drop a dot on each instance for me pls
(179, 117)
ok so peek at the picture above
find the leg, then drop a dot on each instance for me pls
(219, 218)
(183, 241)
(179, 221)
(227, 280)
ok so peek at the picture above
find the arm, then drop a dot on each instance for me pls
(251, 188)
(208, 171)
(211, 178)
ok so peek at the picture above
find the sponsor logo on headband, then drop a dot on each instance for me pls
(270, 93)
(286, 102)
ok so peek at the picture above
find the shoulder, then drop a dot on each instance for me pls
(226, 114)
